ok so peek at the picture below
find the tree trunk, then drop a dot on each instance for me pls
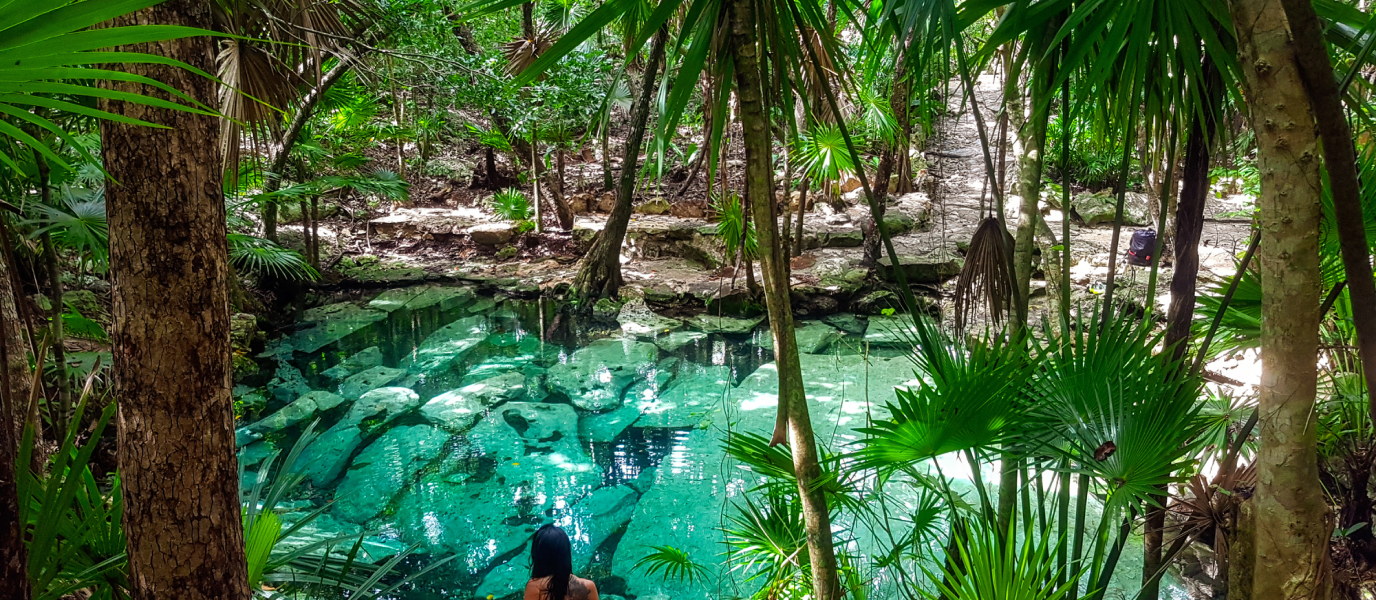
(528, 20)
(600, 275)
(14, 393)
(1311, 54)
(64, 384)
(869, 228)
(1291, 549)
(792, 400)
(168, 257)
(1032, 137)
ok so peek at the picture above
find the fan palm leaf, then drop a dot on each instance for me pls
(51, 55)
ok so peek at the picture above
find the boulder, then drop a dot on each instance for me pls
(850, 184)
(491, 234)
(383, 468)
(840, 239)
(444, 347)
(729, 325)
(453, 411)
(287, 383)
(326, 457)
(653, 206)
(606, 202)
(1100, 208)
(812, 337)
(376, 377)
(846, 322)
(932, 268)
(596, 376)
(877, 302)
(308, 405)
(689, 209)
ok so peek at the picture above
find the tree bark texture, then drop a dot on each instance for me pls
(1291, 548)
(1189, 221)
(600, 275)
(1316, 71)
(888, 160)
(1032, 138)
(14, 386)
(169, 258)
(792, 398)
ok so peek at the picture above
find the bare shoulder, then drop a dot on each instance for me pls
(534, 589)
(589, 588)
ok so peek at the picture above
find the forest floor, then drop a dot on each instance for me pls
(438, 234)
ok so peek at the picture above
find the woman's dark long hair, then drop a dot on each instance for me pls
(551, 555)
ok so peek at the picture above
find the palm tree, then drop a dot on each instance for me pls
(169, 260)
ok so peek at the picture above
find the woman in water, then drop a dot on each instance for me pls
(551, 569)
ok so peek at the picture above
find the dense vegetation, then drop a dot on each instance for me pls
(165, 164)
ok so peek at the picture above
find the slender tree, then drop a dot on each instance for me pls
(168, 257)
(1291, 541)
(600, 275)
(14, 557)
(793, 407)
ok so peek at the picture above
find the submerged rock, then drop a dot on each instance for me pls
(596, 376)
(716, 324)
(678, 339)
(255, 453)
(812, 337)
(308, 405)
(524, 463)
(697, 392)
(363, 360)
(325, 527)
(446, 346)
(287, 383)
(324, 459)
(453, 410)
(892, 330)
(332, 323)
(846, 322)
(637, 319)
(383, 468)
(417, 298)
(366, 381)
(605, 427)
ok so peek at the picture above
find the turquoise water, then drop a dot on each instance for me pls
(463, 423)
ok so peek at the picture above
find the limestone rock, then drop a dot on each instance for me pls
(730, 325)
(376, 377)
(326, 457)
(491, 234)
(383, 468)
(654, 206)
(595, 376)
(637, 319)
(453, 411)
(332, 323)
(255, 453)
(812, 337)
(894, 330)
(303, 408)
(361, 361)
(287, 383)
(524, 462)
(447, 345)
(605, 427)
(606, 202)
(696, 393)
(932, 268)
(846, 322)
(678, 339)
(421, 297)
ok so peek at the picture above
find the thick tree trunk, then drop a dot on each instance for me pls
(1311, 54)
(168, 258)
(1291, 548)
(14, 394)
(792, 399)
(600, 275)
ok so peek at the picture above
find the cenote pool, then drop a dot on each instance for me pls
(463, 423)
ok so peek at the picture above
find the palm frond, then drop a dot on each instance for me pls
(257, 255)
(672, 564)
(78, 223)
(986, 567)
(511, 204)
(986, 278)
